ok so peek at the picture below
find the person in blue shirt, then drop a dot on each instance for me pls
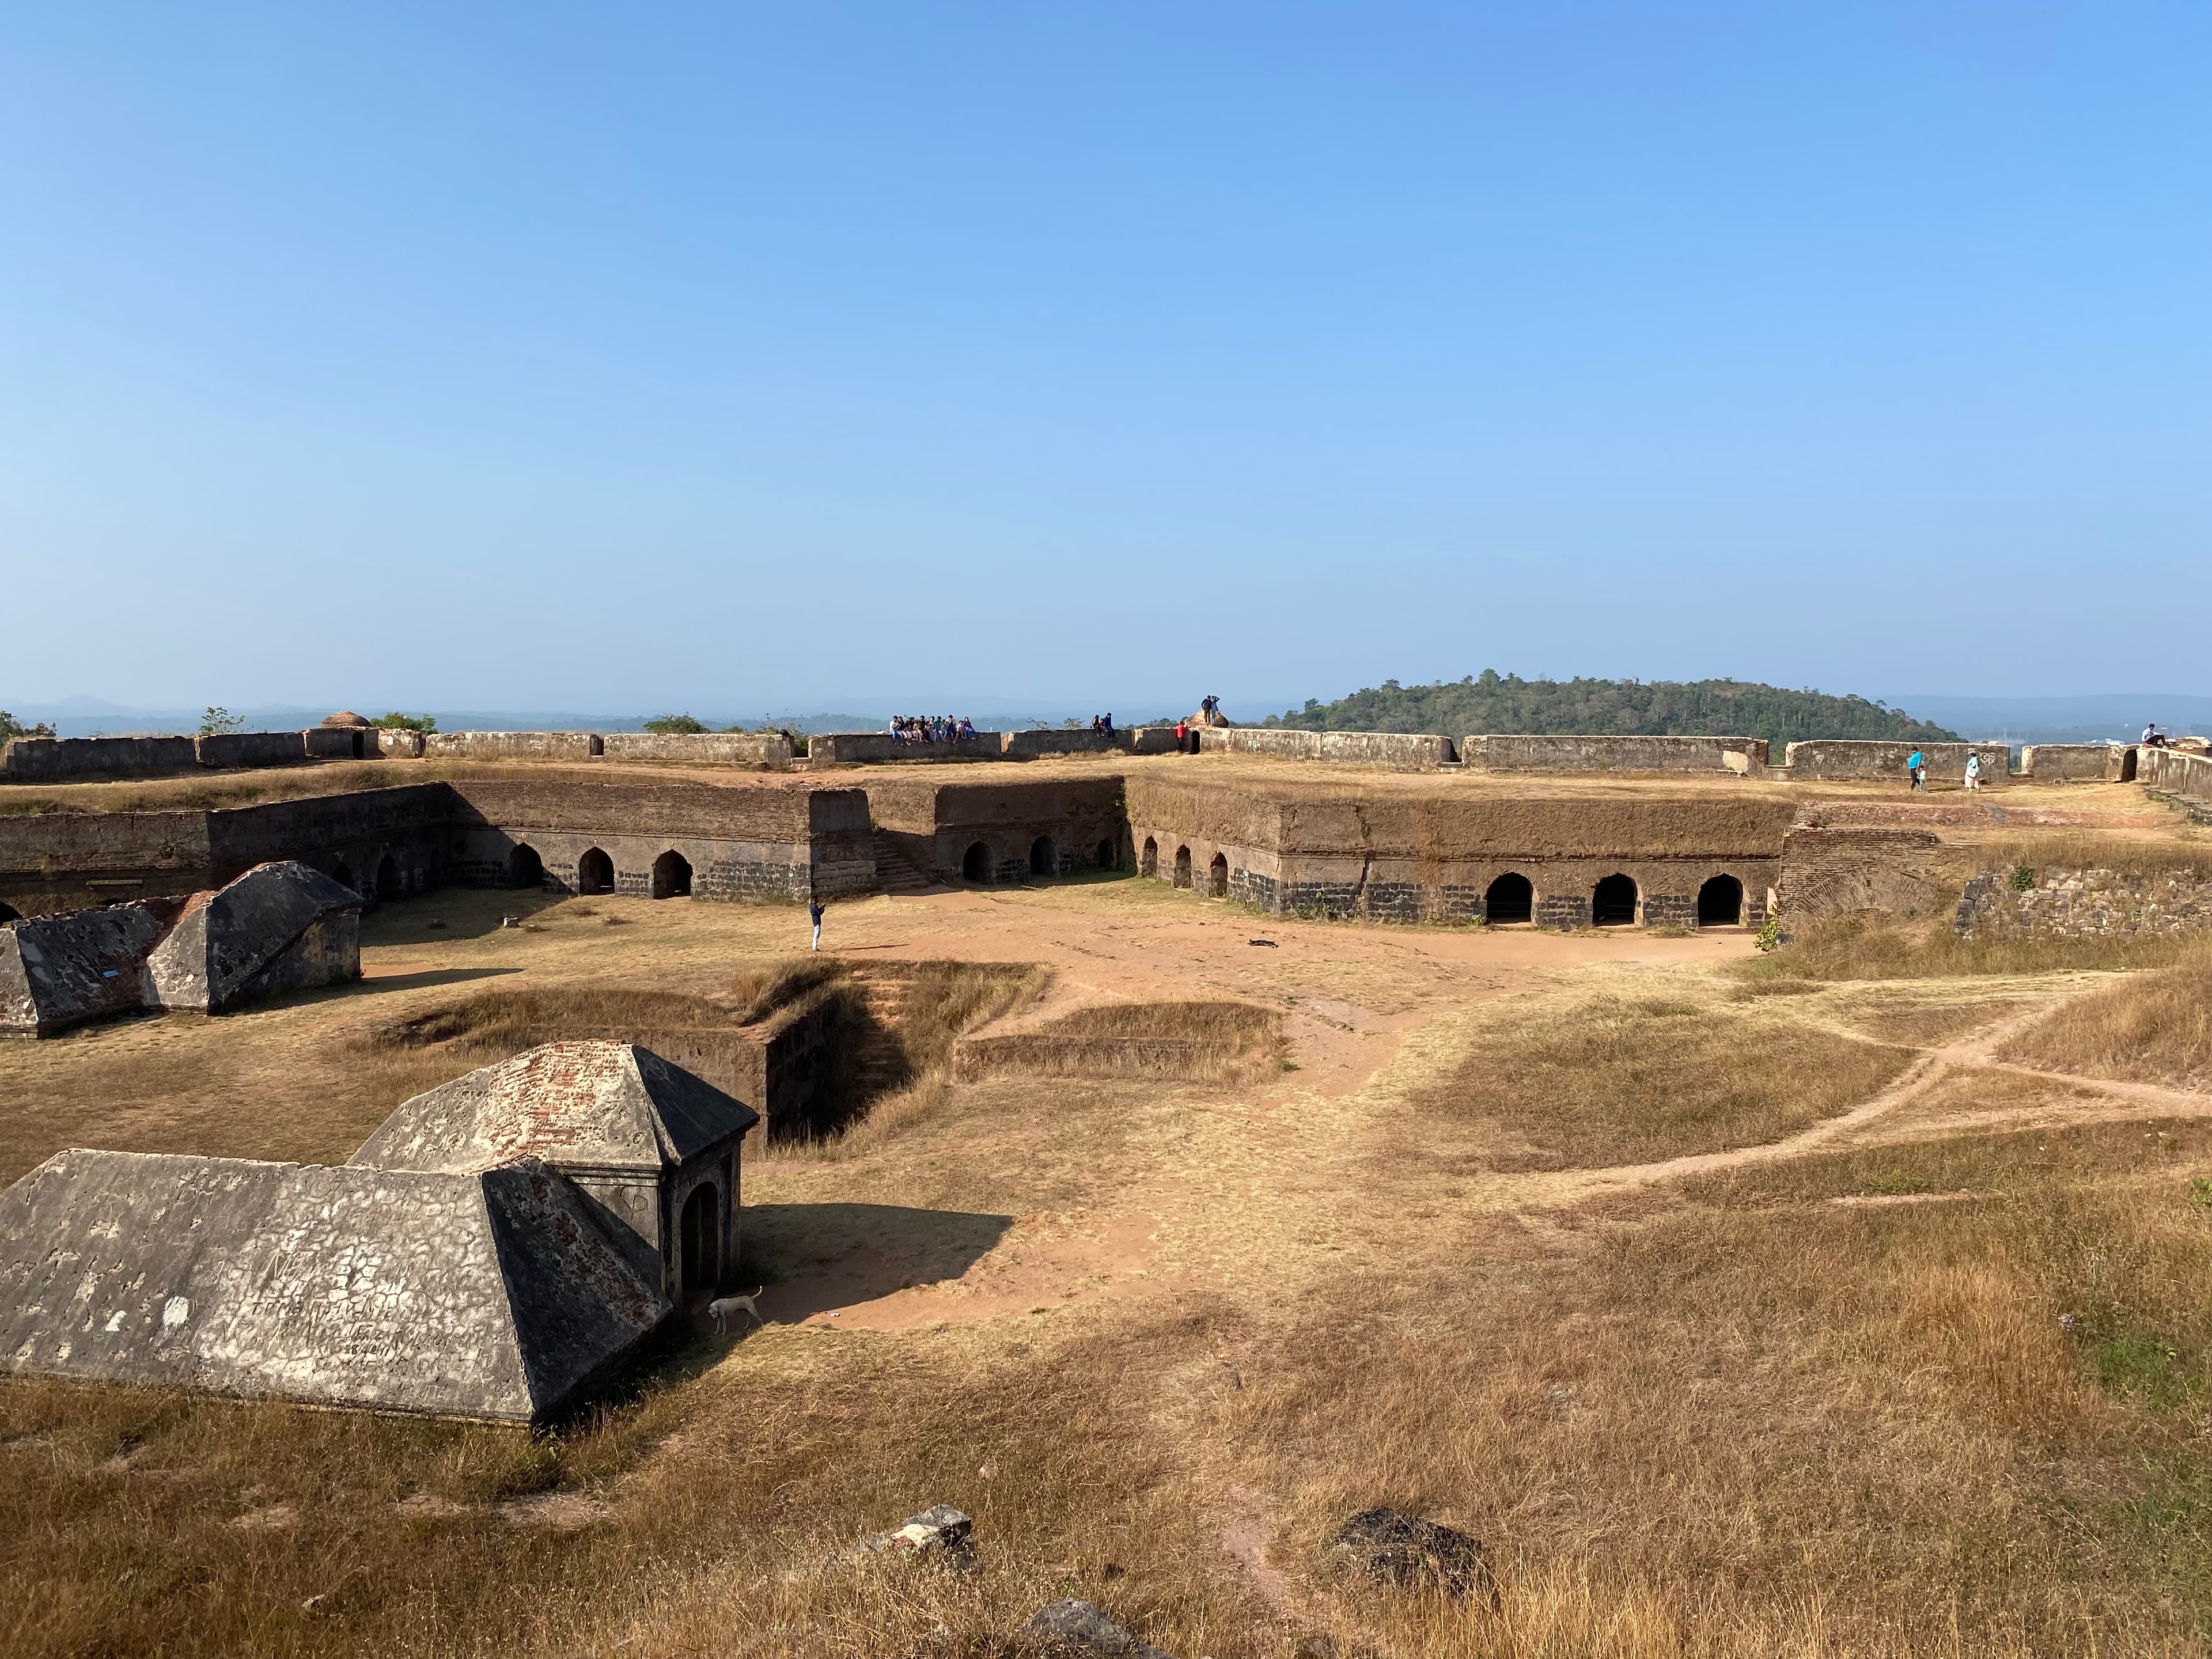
(815, 907)
(1917, 765)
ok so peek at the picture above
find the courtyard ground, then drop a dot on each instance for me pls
(1832, 1316)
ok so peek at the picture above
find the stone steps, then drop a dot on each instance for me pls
(896, 873)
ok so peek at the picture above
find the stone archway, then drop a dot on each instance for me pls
(8, 912)
(1044, 856)
(343, 876)
(1148, 861)
(595, 873)
(1720, 903)
(1511, 899)
(1108, 858)
(1217, 876)
(524, 867)
(1613, 903)
(671, 876)
(387, 878)
(1182, 867)
(976, 863)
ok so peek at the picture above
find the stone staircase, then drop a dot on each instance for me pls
(879, 1062)
(897, 873)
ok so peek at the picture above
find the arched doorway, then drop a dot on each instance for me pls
(1108, 859)
(1148, 861)
(9, 912)
(1511, 898)
(1614, 903)
(1182, 867)
(976, 863)
(524, 867)
(343, 876)
(2127, 764)
(1720, 903)
(387, 878)
(1044, 856)
(1217, 876)
(361, 745)
(595, 873)
(702, 1236)
(672, 875)
(599, 744)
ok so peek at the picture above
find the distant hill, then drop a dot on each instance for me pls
(1496, 703)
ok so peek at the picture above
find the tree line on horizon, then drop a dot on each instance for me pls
(1495, 702)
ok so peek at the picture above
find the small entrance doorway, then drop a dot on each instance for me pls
(1720, 903)
(1511, 898)
(702, 1239)
(671, 876)
(595, 873)
(1613, 903)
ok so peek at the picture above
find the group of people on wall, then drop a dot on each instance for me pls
(932, 728)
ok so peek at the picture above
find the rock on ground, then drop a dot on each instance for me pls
(1076, 1627)
(1404, 1549)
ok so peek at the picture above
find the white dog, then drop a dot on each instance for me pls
(722, 1307)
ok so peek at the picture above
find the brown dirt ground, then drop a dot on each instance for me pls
(1219, 1313)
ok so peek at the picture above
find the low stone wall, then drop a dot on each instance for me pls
(510, 745)
(2178, 775)
(251, 749)
(337, 742)
(1029, 745)
(871, 747)
(1503, 753)
(1402, 752)
(399, 744)
(56, 760)
(768, 749)
(2087, 903)
(2074, 762)
(1836, 760)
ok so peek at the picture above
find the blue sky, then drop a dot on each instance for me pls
(623, 357)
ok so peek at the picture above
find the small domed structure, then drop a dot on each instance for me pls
(346, 717)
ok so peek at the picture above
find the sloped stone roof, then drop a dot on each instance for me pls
(345, 717)
(492, 1294)
(61, 970)
(604, 1105)
(226, 937)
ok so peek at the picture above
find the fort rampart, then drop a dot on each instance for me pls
(2178, 775)
(1459, 860)
(1828, 759)
(767, 842)
(1407, 751)
(1507, 753)
(2077, 763)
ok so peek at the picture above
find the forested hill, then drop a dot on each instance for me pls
(1507, 702)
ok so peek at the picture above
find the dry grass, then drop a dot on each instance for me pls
(2150, 1028)
(1867, 946)
(1616, 1080)
(1756, 1423)
(1725, 1416)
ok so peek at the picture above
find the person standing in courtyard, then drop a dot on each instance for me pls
(815, 907)
(1917, 765)
(1181, 727)
(1974, 770)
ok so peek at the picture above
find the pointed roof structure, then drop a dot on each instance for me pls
(574, 1105)
(226, 941)
(492, 1294)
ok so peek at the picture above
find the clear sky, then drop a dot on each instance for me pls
(554, 356)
